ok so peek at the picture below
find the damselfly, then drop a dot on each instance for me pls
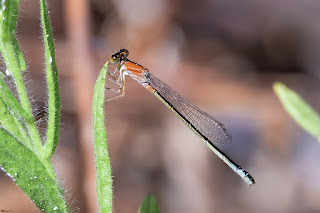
(211, 131)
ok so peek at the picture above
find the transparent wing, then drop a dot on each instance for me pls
(204, 123)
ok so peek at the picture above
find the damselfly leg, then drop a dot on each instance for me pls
(119, 81)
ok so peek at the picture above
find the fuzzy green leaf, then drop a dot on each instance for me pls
(149, 205)
(11, 101)
(30, 174)
(8, 25)
(53, 84)
(14, 62)
(14, 125)
(103, 166)
(13, 116)
(298, 109)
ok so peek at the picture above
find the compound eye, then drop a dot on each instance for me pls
(114, 59)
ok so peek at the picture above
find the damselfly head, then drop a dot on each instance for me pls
(124, 52)
(119, 56)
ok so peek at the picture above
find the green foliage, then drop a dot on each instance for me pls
(298, 109)
(30, 174)
(13, 124)
(15, 63)
(8, 25)
(103, 167)
(53, 84)
(149, 205)
(22, 154)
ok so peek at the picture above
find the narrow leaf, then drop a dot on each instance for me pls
(11, 101)
(14, 61)
(15, 124)
(149, 205)
(298, 109)
(103, 167)
(28, 172)
(53, 84)
(8, 25)
(12, 124)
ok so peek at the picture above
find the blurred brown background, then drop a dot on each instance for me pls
(223, 56)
